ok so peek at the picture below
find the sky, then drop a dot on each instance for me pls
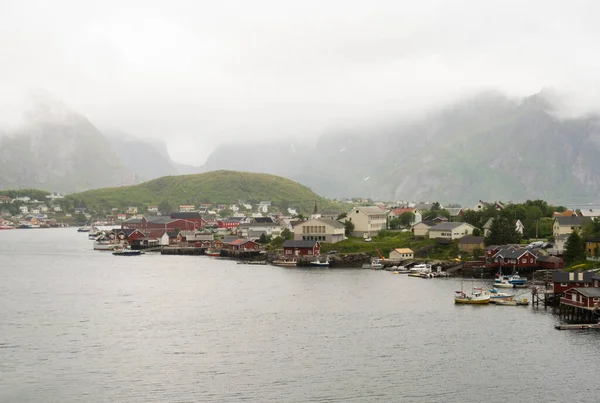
(200, 74)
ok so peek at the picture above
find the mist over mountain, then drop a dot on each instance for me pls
(486, 147)
(57, 149)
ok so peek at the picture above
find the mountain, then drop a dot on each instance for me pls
(211, 187)
(487, 147)
(57, 149)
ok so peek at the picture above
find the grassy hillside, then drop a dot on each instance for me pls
(212, 187)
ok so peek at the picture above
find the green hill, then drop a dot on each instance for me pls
(225, 187)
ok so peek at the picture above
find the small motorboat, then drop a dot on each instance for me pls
(513, 302)
(127, 252)
(496, 296)
(376, 264)
(286, 263)
(213, 253)
(477, 296)
(85, 228)
(318, 263)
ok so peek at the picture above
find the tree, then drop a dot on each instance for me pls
(574, 249)
(349, 227)
(343, 215)
(286, 234)
(395, 223)
(435, 206)
(476, 232)
(502, 232)
(264, 239)
(407, 219)
(165, 208)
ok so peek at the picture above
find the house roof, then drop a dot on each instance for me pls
(172, 234)
(426, 222)
(560, 276)
(162, 220)
(570, 221)
(133, 221)
(566, 213)
(241, 241)
(588, 291)
(585, 212)
(267, 220)
(370, 210)
(446, 226)
(127, 231)
(230, 239)
(471, 240)
(186, 214)
(326, 221)
(259, 225)
(402, 210)
(488, 223)
(299, 244)
(454, 211)
(404, 250)
(513, 253)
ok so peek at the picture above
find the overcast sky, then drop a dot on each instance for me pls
(203, 73)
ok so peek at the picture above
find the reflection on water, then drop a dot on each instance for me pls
(79, 325)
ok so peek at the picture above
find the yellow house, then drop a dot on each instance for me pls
(367, 220)
(319, 229)
(451, 230)
(566, 225)
(422, 229)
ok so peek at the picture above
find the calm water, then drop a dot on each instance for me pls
(83, 326)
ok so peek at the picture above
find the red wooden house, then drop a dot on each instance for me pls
(516, 258)
(563, 281)
(228, 223)
(301, 248)
(582, 297)
(244, 245)
(129, 234)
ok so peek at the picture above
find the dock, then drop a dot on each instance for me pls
(577, 327)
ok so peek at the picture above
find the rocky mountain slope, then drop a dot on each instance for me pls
(487, 147)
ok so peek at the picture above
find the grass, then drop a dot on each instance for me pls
(388, 241)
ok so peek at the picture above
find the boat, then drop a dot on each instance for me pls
(508, 281)
(27, 225)
(513, 302)
(286, 263)
(214, 253)
(261, 262)
(127, 251)
(401, 270)
(318, 263)
(421, 270)
(6, 225)
(496, 296)
(94, 232)
(376, 264)
(85, 228)
(106, 245)
(477, 297)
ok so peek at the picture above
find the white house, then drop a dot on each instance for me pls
(451, 230)
(401, 254)
(319, 229)
(131, 210)
(519, 227)
(397, 212)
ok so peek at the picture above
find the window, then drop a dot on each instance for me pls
(563, 284)
(523, 260)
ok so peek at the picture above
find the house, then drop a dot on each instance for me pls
(422, 229)
(589, 212)
(267, 220)
(301, 248)
(152, 209)
(5, 199)
(229, 223)
(450, 230)
(131, 210)
(592, 247)
(128, 234)
(57, 209)
(587, 298)
(439, 219)
(515, 258)
(23, 209)
(482, 205)
(519, 227)
(80, 210)
(455, 211)
(367, 220)
(174, 237)
(192, 218)
(397, 212)
(319, 229)
(244, 245)
(470, 243)
(186, 208)
(566, 225)
(35, 210)
(402, 254)
(121, 217)
(566, 213)
(562, 280)
(256, 229)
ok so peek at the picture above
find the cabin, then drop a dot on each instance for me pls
(402, 254)
(516, 258)
(301, 248)
(229, 223)
(128, 234)
(244, 245)
(470, 243)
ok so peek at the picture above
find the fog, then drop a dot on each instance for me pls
(202, 73)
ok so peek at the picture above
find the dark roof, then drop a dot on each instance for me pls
(259, 224)
(262, 220)
(299, 244)
(132, 221)
(172, 234)
(186, 214)
(126, 231)
(471, 240)
(563, 276)
(232, 219)
(512, 253)
(426, 222)
(445, 226)
(229, 239)
(588, 291)
(571, 221)
(162, 220)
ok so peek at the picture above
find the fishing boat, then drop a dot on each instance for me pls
(477, 296)
(127, 251)
(496, 296)
(376, 264)
(106, 245)
(6, 225)
(400, 270)
(214, 253)
(508, 281)
(421, 270)
(260, 262)
(286, 263)
(318, 263)
(513, 302)
(85, 228)
(94, 232)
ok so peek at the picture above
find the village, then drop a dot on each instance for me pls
(446, 241)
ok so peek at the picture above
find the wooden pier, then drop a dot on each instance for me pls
(577, 327)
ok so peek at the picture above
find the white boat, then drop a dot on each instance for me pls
(318, 263)
(286, 263)
(106, 245)
(6, 225)
(477, 296)
(127, 251)
(508, 281)
(376, 264)
(496, 296)
(420, 270)
(85, 228)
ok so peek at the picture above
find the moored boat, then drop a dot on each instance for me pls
(85, 228)
(6, 225)
(318, 263)
(290, 263)
(106, 245)
(376, 264)
(496, 296)
(213, 253)
(477, 296)
(127, 252)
